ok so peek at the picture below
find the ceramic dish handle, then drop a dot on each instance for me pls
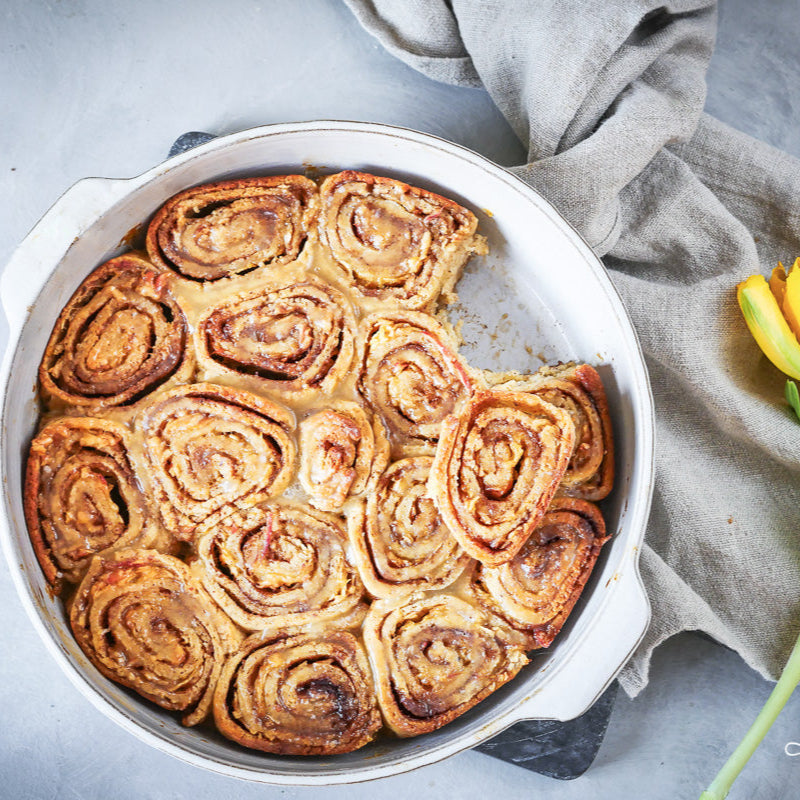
(570, 691)
(46, 244)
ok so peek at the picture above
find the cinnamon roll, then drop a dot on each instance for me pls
(296, 337)
(82, 496)
(534, 593)
(226, 229)
(412, 375)
(434, 658)
(393, 241)
(121, 335)
(141, 620)
(213, 449)
(499, 462)
(578, 389)
(343, 450)
(299, 694)
(400, 543)
(275, 565)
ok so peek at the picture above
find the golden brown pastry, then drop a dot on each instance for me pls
(213, 449)
(412, 375)
(434, 657)
(343, 450)
(276, 565)
(534, 593)
(298, 693)
(121, 335)
(395, 242)
(142, 621)
(82, 496)
(578, 389)
(499, 462)
(400, 543)
(225, 229)
(292, 336)
(269, 432)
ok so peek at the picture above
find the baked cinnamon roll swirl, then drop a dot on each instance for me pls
(400, 543)
(578, 389)
(393, 241)
(292, 337)
(226, 229)
(120, 336)
(213, 449)
(412, 375)
(142, 621)
(343, 450)
(299, 694)
(275, 565)
(434, 658)
(499, 462)
(534, 593)
(82, 496)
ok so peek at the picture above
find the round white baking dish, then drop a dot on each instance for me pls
(541, 294)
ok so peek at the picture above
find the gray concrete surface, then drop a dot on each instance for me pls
(102, 88)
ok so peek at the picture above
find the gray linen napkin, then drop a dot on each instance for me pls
(608, 95)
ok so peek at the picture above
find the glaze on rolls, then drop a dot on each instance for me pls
(276, 565)
(143, 622)
(435, 657)
(121, 335)
(412, 375)
(499, 462)
(393, 241)
(225, 229)
(265, 474)
(534, 593)
(213, 449)
(293, 337)
(298, 693)
(82, 496)
(400, 542)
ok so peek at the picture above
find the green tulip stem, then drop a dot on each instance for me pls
(790, 677)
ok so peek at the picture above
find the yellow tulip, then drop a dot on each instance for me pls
(772, 312)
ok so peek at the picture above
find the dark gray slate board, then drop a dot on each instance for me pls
(563, 750)
(186, 141)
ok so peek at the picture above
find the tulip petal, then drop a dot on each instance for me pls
(768, 326)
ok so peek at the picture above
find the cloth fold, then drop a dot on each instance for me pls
(608, 96)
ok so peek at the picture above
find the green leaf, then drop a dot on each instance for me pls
(793, 397)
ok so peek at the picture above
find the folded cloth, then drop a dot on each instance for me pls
(608, 96)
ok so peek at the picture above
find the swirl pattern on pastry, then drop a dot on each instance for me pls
(412, 375)
(275, 565)
(121, 335)
(434, 658)
(294, 337)
(213, 449)
(142, 621)
(299, 694)
(578, 389)
(400, 543)
(498, 464)
(342, 452)
(534, 593)
(229, 228)
(394, 241)
(82, 496)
